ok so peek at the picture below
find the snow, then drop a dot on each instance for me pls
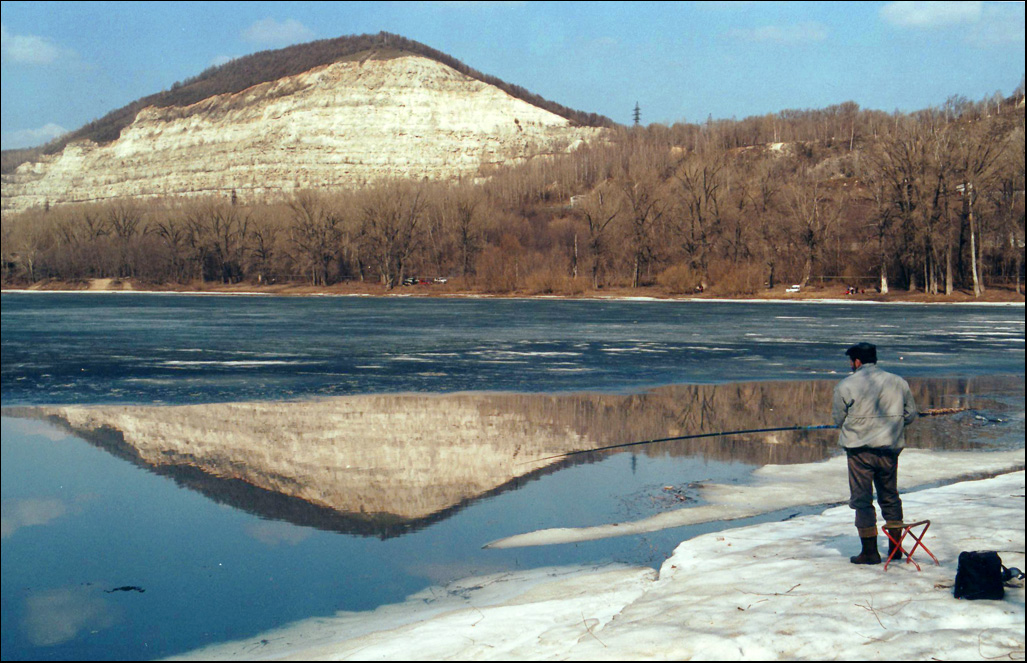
(778, 590)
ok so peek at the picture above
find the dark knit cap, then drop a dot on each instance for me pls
(866, 353)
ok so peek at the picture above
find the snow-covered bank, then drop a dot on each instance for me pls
(782, 590)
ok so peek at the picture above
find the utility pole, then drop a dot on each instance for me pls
(637, 114)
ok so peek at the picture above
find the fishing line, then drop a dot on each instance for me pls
(696, 436)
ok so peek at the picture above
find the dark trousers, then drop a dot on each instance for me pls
(869, 469)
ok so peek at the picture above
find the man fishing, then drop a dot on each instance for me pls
(872, 408)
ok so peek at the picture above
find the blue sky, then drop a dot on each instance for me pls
(67, 63)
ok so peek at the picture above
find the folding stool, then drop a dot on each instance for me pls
(907, 529)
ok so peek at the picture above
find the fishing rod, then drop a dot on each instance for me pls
(926, 413)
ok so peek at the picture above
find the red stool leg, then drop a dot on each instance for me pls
(919, 538)
(920, 542)
(897, 547)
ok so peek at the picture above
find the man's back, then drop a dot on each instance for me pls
(872, 407)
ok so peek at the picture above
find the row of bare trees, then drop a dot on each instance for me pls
(932, 202)
(951, 191)
(379, 234)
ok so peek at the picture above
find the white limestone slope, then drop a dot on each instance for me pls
(344, 124)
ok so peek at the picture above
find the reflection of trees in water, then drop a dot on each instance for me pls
(384, 465)
(697, 409)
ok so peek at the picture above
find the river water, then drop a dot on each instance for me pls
(110, 554)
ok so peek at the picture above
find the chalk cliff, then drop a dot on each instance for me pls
(343, 124)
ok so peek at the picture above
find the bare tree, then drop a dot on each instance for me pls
(29, 242)
(315, 235)
(914, 162)
(761, 196)
(976, 152)
(174, 234)
(1009, 201)
(265, 233)
(7, 255)
(218, 234)
(700, 187)
(882, 217)
(391, 219)
(602, 210)
(124, 220)
(644, 207)
(814, 215)
(457, 219)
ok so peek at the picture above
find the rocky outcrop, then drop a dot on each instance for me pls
(340, 125)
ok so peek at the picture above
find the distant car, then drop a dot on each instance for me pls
(794, 288)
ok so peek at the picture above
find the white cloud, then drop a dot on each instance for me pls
(270, 32)
(982, 24)
(30, 49)
(53, 617)
(801, 33)
(16, 514)
(928, 15)
(273, 533)
(1000, 25)
(32, 137)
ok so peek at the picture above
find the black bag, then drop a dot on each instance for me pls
(979, 576)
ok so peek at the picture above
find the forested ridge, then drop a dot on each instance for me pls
(931, 201)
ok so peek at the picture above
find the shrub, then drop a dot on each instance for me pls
(550, 281)
(739, 279)
(679, 280)
(496, 271)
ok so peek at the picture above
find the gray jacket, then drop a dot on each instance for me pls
(873, 407)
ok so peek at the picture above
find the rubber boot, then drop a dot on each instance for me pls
(869, 554)
(893, 536)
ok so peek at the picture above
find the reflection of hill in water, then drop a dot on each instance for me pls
(387, 463)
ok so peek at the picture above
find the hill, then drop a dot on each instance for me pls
(333, 113)
(266, 66)
(296, 184)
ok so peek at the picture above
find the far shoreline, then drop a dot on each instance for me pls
(995, 296)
